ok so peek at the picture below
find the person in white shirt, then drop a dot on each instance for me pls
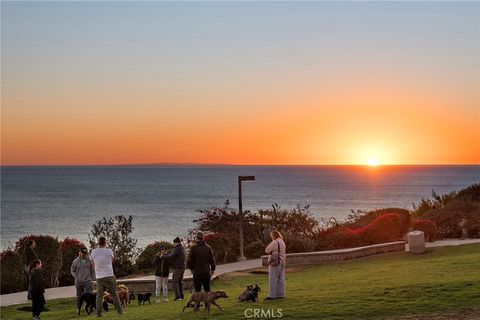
(276, 266)
(102, 260)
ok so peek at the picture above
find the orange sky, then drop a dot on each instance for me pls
(62, 107)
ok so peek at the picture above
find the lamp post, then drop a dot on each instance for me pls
(240, 211)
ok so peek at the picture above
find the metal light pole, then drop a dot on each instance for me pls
(240, 211)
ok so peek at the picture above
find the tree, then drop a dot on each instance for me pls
(118, 231)
(70, 248)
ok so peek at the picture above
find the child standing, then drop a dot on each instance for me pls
(37, 289)
(161, 264)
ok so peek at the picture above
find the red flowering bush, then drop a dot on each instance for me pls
(70, 248)
(344, 238)
(428, 227)
(11, 269)
(361, 218)
(385, 228)
(48, 251)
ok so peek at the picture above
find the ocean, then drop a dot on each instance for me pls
(66, 201)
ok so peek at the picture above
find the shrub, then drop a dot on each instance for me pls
(448, 210)
(428, 227)
(11, 269)
(448, 218)
(70, 248)
(144, 261)
(361, 218)
(298, 226)
(48, 251)
(384, 228)
(343, 238)
(474, 231)
(220, 246)
(221, 228)
(117, 230)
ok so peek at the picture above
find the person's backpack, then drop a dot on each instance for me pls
(274, 259)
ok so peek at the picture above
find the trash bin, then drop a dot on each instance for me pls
(416, 241)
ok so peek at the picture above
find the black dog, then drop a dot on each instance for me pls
(90, 300)
(144, 297)
(253, 295)
(250, 293)
(131, 296)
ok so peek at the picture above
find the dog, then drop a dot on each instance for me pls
(90, 302)
(90, 299)
(131, 296)
(208, 298)
(250, 293)
(144, 297)
(123, 295)
(107, 298)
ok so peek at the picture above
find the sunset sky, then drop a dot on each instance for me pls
(240, 83)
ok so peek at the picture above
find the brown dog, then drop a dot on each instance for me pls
(207, 297)
(124, 295)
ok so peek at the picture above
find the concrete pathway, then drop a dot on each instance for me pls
(449, 242)
(68, 292)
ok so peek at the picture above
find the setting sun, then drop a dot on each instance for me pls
(373, 162)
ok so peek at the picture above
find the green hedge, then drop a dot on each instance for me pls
(144, 261)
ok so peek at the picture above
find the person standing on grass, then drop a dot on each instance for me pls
(202, 263)
(276, 266)
(30, 256)
(161, 264)
(83, 272)
(102, 261)
(177, 261)
(36, 288)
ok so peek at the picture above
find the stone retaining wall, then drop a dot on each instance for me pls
(319, 257)
(145, 285)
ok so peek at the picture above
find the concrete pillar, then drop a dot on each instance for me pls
(416, 241)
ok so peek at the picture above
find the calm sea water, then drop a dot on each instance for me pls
(66, 201)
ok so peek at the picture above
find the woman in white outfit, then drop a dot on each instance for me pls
(276, 266)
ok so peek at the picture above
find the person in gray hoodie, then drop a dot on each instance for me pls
(83, 272)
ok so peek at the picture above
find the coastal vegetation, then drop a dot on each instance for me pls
(394, 286)
(118, 230)
(438, 217)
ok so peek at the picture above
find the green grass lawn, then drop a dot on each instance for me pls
(393, 285)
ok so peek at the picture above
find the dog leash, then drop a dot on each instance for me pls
(231, 282)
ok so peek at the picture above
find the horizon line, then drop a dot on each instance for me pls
(202, 164)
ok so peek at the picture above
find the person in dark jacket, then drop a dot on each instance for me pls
(30, 255)
(202, 263)
(162, 266)
(37, 289)
(177, 260)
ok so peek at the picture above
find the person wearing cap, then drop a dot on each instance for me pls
(162, 266)
(177, 261)
(83, 272)
(202, 263)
